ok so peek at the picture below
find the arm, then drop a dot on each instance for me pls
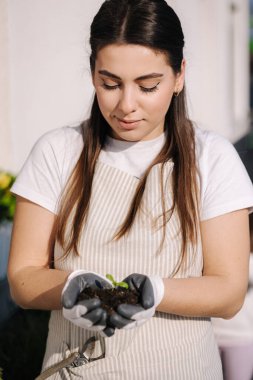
(33, 284)
(251, 269)
(221, 290)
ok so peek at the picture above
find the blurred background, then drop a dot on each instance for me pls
(45, 83)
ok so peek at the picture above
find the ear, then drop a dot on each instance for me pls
(179, 85)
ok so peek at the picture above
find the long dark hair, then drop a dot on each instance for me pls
(154, 24)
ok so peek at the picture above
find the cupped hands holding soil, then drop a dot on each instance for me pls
(111, 298)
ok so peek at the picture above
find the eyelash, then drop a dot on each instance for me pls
(143, 89)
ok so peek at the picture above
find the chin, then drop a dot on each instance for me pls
(128, 136)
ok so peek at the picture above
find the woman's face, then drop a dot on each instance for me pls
(134, 86)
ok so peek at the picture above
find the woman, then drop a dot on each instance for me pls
(139, 192)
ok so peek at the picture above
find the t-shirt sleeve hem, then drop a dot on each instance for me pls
(226, 208)
(34, 197)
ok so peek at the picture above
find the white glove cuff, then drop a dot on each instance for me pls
(79, 272)
(158, 286)
(73, 275)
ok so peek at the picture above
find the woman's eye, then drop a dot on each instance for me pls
(110, 87)
(149, 89)
(143, 89)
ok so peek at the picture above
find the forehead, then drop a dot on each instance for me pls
(127, 59)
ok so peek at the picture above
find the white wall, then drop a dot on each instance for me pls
(48, 72)
(217, 50)
(49, 76)
(5, 138)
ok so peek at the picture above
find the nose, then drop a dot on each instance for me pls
(127, 101)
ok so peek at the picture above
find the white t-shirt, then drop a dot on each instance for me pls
(224, 183)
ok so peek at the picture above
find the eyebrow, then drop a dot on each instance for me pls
(142, 77)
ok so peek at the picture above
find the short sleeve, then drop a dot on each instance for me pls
(47, 168)
(225, 183)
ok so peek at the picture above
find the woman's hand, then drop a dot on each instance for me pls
(151, 291)
(85, 313)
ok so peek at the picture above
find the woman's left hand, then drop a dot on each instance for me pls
(151, 291)
(88, 313)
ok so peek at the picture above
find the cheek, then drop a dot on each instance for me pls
(160, 103)
(106, 101)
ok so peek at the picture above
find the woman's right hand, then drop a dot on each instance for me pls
(85, 313)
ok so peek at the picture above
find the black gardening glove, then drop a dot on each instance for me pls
(87, 314)
(151, 291)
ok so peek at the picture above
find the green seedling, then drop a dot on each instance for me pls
(116, 284)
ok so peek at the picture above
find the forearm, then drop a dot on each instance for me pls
(207, 296)
(38, 288)
(221, 290)
(251, 270)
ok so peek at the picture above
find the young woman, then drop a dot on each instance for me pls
(139, 192)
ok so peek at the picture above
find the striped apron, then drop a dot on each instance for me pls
(165, 347)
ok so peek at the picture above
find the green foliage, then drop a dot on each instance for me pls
(7, 200)
(1, 374)
(251, 47)
(121, 284)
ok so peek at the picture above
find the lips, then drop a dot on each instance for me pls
(126, 124)
(128, 121)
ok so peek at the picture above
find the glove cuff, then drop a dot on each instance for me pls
(73, 275)
(158, 286)
(79, 272)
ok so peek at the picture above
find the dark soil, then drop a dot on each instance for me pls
(111, 298)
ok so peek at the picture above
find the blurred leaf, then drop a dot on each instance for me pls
(110, 278)
(7, 200)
